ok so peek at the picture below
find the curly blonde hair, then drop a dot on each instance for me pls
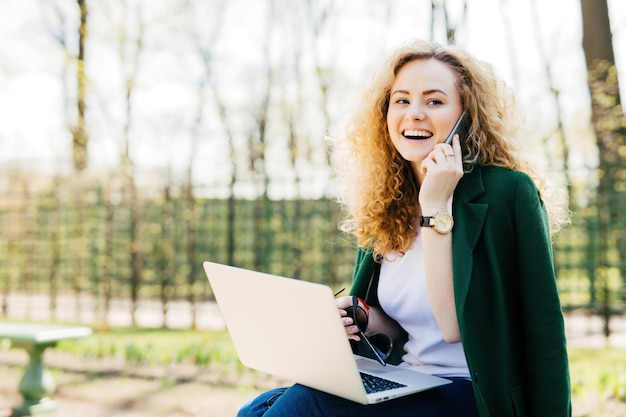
(380, 190)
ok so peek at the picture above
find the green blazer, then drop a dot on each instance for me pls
(506, 296)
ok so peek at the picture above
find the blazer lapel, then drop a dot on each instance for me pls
(470, 217)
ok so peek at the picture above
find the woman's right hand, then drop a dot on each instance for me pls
(442, 170)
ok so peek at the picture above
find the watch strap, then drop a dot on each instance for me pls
(425, 221)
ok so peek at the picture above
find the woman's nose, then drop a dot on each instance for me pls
(415, 112)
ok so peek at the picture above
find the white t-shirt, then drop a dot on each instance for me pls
(402, 295)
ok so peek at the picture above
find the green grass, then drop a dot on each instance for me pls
(597, 373)
(157, 347)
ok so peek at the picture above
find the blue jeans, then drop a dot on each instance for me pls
(451, 400)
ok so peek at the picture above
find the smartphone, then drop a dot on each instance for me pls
(460, 127)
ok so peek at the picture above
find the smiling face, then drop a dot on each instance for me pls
(424, 105)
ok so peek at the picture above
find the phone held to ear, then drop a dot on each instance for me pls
(460, 127)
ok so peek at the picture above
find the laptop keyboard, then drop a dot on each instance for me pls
(377, 384)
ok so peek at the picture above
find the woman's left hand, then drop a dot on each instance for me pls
(352, 330)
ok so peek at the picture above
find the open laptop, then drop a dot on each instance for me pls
(292, 329)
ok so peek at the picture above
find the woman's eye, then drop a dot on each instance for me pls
(435, 102)
(402, 101)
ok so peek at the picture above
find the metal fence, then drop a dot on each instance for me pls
(62, 240)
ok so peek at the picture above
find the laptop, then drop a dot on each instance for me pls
(291, 329)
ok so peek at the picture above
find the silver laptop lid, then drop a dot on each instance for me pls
(287, 328)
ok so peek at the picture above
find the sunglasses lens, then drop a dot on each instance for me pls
(382, 343)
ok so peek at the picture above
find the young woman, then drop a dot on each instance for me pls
(455, 258)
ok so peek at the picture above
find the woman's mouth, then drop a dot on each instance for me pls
(416, 134)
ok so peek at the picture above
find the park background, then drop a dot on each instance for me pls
(140, 138)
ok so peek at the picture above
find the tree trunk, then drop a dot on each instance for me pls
(609, 126)
(80, 138)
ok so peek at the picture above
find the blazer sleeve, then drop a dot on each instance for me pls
(544, 333)
(363, 268)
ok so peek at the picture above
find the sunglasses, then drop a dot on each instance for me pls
(379, 345)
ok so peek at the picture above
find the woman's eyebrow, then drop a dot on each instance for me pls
(399, 92)
(434, 90)
(424, 93)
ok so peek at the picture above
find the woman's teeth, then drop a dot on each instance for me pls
(416, 134)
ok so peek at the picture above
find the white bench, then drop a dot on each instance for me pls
(37, 384)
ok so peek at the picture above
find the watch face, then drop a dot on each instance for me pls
(443, 222)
